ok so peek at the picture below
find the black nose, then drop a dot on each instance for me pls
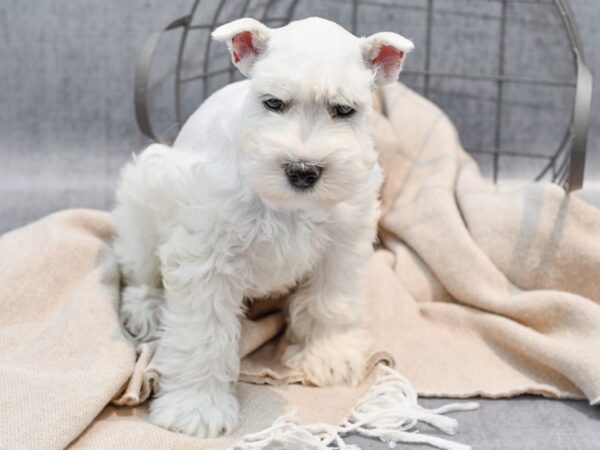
(302, 175)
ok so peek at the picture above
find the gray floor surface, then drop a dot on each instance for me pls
(524, 423)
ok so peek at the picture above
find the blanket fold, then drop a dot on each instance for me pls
(474, 290)
(515, 268)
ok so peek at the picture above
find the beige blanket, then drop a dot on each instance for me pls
(474, 291)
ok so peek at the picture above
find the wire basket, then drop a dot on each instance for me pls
(509, 73)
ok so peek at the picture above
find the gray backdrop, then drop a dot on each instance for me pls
(67, 126)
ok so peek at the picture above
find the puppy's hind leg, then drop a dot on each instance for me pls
(142, 295)
(140, 307)
(136, 250)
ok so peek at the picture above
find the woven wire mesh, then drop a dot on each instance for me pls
(505, 71)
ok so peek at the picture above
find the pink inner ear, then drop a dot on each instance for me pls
(388, 58)
(242, 45)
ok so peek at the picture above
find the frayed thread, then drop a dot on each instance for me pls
(389, 411)
(287, 434)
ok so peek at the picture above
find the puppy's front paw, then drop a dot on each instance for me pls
(334, 359)
(203, 414)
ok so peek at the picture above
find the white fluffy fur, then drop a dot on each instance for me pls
(212, 220)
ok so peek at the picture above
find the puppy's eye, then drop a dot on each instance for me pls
(342, 110)
(274, 104)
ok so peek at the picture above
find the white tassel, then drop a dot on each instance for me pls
(389, 411)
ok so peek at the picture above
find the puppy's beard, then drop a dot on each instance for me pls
(347, 163)
(270, 182)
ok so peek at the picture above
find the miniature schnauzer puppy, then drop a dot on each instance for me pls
(272, 184)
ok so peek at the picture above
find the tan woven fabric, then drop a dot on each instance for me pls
(475, 291)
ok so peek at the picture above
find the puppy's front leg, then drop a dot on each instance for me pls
(197, 357)
(328, 340)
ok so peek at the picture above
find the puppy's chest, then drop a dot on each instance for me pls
(281, 254)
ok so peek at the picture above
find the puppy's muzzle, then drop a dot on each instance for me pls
(302, 174)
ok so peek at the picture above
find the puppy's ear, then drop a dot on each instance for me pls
(246, 39)
(385, 53)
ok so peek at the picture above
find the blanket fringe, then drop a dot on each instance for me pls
(389, 412)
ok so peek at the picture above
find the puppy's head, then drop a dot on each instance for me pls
(304, 142)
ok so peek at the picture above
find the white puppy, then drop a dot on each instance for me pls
(272, 184)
